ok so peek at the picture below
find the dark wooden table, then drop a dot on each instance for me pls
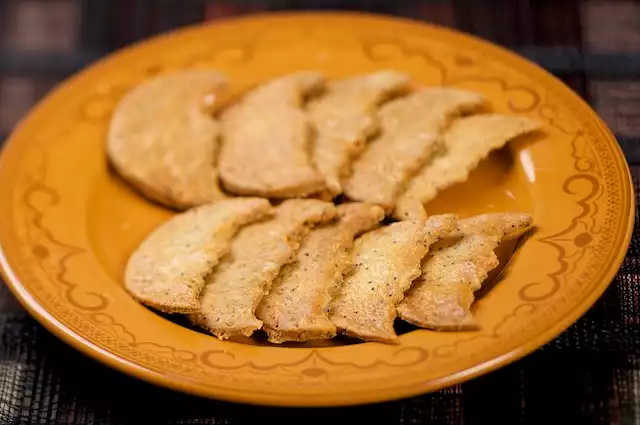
(588, 375)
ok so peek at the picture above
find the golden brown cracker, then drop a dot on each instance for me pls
(441, 297)
(504, 225)
(296, 307)
(167, 270)
(455, 268)
(266, 141)
(411, 133)
(236, 286)
(344, 118)
(387, 260)
(163, 141)
(466, 143)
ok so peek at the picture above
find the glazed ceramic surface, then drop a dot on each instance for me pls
(69, 224)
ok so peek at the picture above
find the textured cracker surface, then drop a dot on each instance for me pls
(455, 268)
(505, 225)
(167, 270)
(236, 286)
(387, 260)
(466, 143)
(411, 133)
(296, 307)
(163, 141)
(345, 116)
(266, 141)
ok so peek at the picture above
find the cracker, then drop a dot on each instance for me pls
(162, 140)
(344, 118)
(296, 308)
(266, 141)
(237, 285)
(411, 133)
(387, 260)
(455, 268)
(167, 270)
(466, 143)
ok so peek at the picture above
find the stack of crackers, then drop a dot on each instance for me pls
(262, 244)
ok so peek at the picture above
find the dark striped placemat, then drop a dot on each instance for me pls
(588, 375)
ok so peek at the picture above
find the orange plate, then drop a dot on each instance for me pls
(69, 224)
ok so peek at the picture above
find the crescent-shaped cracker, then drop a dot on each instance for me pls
(164, 142)
(168, 269)
(411, 133)
(296, 308)
(266, 141)
(466, 143)
(236, 286)
(387, 260)
(455, 268)
(344, 118)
